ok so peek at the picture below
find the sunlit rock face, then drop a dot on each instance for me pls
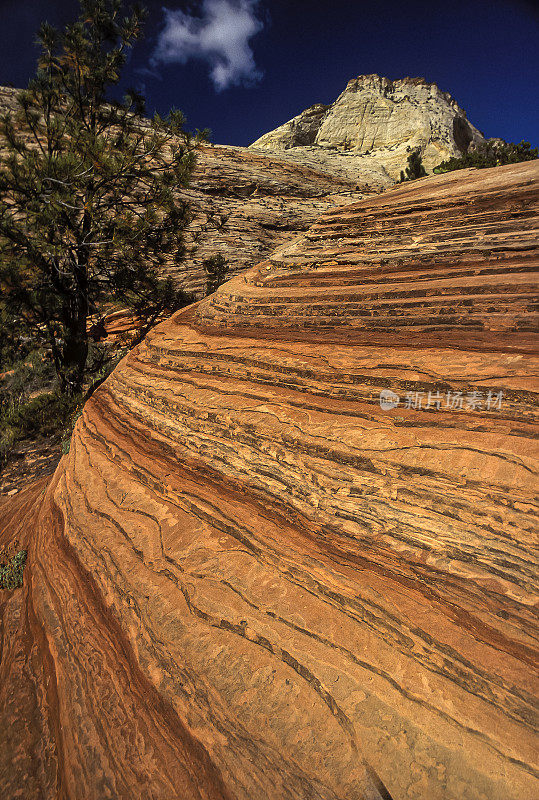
(373, 125)
(249, 580)
(245, 204)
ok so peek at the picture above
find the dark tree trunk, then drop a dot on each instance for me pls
(74, 356)
(75, 349)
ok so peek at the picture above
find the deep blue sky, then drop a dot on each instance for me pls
(485, 52)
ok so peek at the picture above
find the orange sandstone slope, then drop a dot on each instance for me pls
(248, 580)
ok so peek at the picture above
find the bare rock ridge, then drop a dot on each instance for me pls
(249, 580)
(371, 127)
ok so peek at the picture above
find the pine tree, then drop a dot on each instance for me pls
(216, 270)
(89, 210)
(415, 168)
(491, 153)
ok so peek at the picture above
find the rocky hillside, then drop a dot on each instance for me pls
(248, 201)
(245, 204)
(367, 133)
(290, 553)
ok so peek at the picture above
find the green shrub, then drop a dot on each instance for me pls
(216, 270)
(11, 573)
(47, 415)
(493, 153)
(415, 168)
(7, 440)
(30, 372)
(14, 345)
(43, 415)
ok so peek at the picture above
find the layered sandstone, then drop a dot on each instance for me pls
(248, 580)
(244, 204)
(372, 127)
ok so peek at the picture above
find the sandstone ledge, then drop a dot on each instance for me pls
(248, 580)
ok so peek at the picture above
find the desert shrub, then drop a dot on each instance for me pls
(31, 405)
(11, 572)
(43, 415)
(15, 346)
(7, 440)
(33, 374)
(493, 153)
(216, 270)
(415, 168)
(46, 415)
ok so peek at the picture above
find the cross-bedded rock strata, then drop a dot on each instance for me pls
(245, 204)
(247, 580)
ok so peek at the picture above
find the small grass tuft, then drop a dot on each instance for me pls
(11, 573)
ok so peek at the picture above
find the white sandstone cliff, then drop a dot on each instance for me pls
(372, 127)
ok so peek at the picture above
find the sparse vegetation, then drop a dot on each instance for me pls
(11, 572)
(415, 168)
(493, 153)
(216, 270)
(44, 415)
(31, 405)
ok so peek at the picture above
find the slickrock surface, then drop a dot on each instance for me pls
(372, 126)
(247, 580)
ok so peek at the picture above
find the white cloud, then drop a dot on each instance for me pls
(219, 36)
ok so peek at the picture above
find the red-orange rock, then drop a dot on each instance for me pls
(248, 580)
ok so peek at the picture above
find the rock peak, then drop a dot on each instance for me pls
(376, 122)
